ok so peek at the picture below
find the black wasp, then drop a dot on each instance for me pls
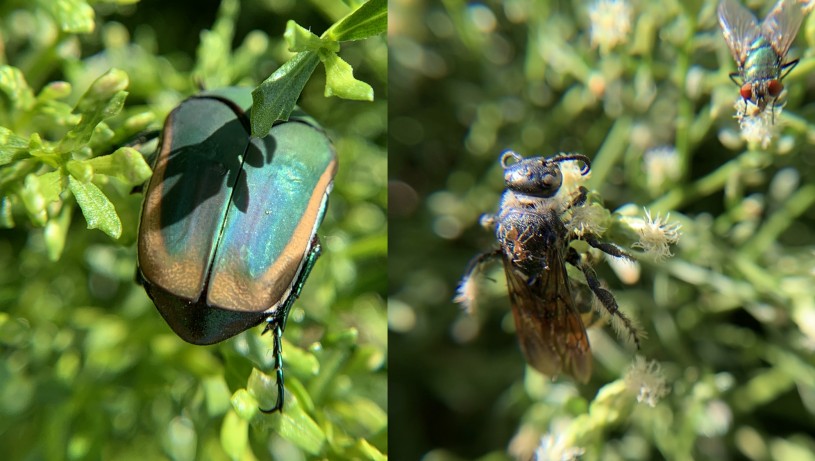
(534, 244)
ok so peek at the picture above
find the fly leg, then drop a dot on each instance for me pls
(787, 68)
(605, 296)
(733, 76)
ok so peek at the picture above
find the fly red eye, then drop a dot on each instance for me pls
(775, 87)
(746, 91)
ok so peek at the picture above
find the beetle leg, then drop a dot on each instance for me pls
(605, 296)
(277, 352)
(276, 323)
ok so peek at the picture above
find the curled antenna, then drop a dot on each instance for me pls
(565, 158)
(507, 155)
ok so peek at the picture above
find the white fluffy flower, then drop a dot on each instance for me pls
(610, 23)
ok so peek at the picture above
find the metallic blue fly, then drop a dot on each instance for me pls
(760, 49)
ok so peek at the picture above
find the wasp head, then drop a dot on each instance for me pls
(538, 176)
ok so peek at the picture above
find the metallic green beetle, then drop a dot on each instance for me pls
(228, 228)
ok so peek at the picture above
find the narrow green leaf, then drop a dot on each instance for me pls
(216, 394)
(73, 16)
(340, 81)
(80, 170)
(276, 97)
(119, 2)
(6, 215)
(215, 48)
(126, 164)
(13, 84)
(301, 39)
(54, 90)
(234, 435)
(263, 387)
(297, 427)
(56, 231)
(244, 404)
(181, 439)
(12, 147)
(103, 89)
(368, 451)
(368, 20)
(363, 412)
(104, 99)
(99, 212)
(81, 134)
(33, 200)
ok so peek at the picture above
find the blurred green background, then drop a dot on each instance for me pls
(89, 369)
(730, 319)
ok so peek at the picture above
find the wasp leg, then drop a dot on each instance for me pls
(606, 248)
(464, 292)
(487, 221)
(605, 296)
(580, 199)
(477, 261)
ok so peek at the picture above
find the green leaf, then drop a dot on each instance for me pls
(12, 147)
(181, 439)
(104, 99)
(367, 451)
(301, 39)
(99, 212)
(276, 97)
(13, 84)
(340, 81)
(126, 164)
(54, 90)
(216, 394)
(366, 21)
(234, 435)
(118, 2)
(215, 48)
(6, 215)
(244, 404)
(56, 231)
(73, 16)
(33, 200)
(297, 427)
(263, 387)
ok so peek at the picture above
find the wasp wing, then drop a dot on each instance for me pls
(781, 25)
(549, 327)
(739, 27)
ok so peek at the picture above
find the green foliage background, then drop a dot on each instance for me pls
(89, 369)
(730, 318)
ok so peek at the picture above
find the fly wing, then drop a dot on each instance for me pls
(739, 28)
(549, 327)
(781, 25)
